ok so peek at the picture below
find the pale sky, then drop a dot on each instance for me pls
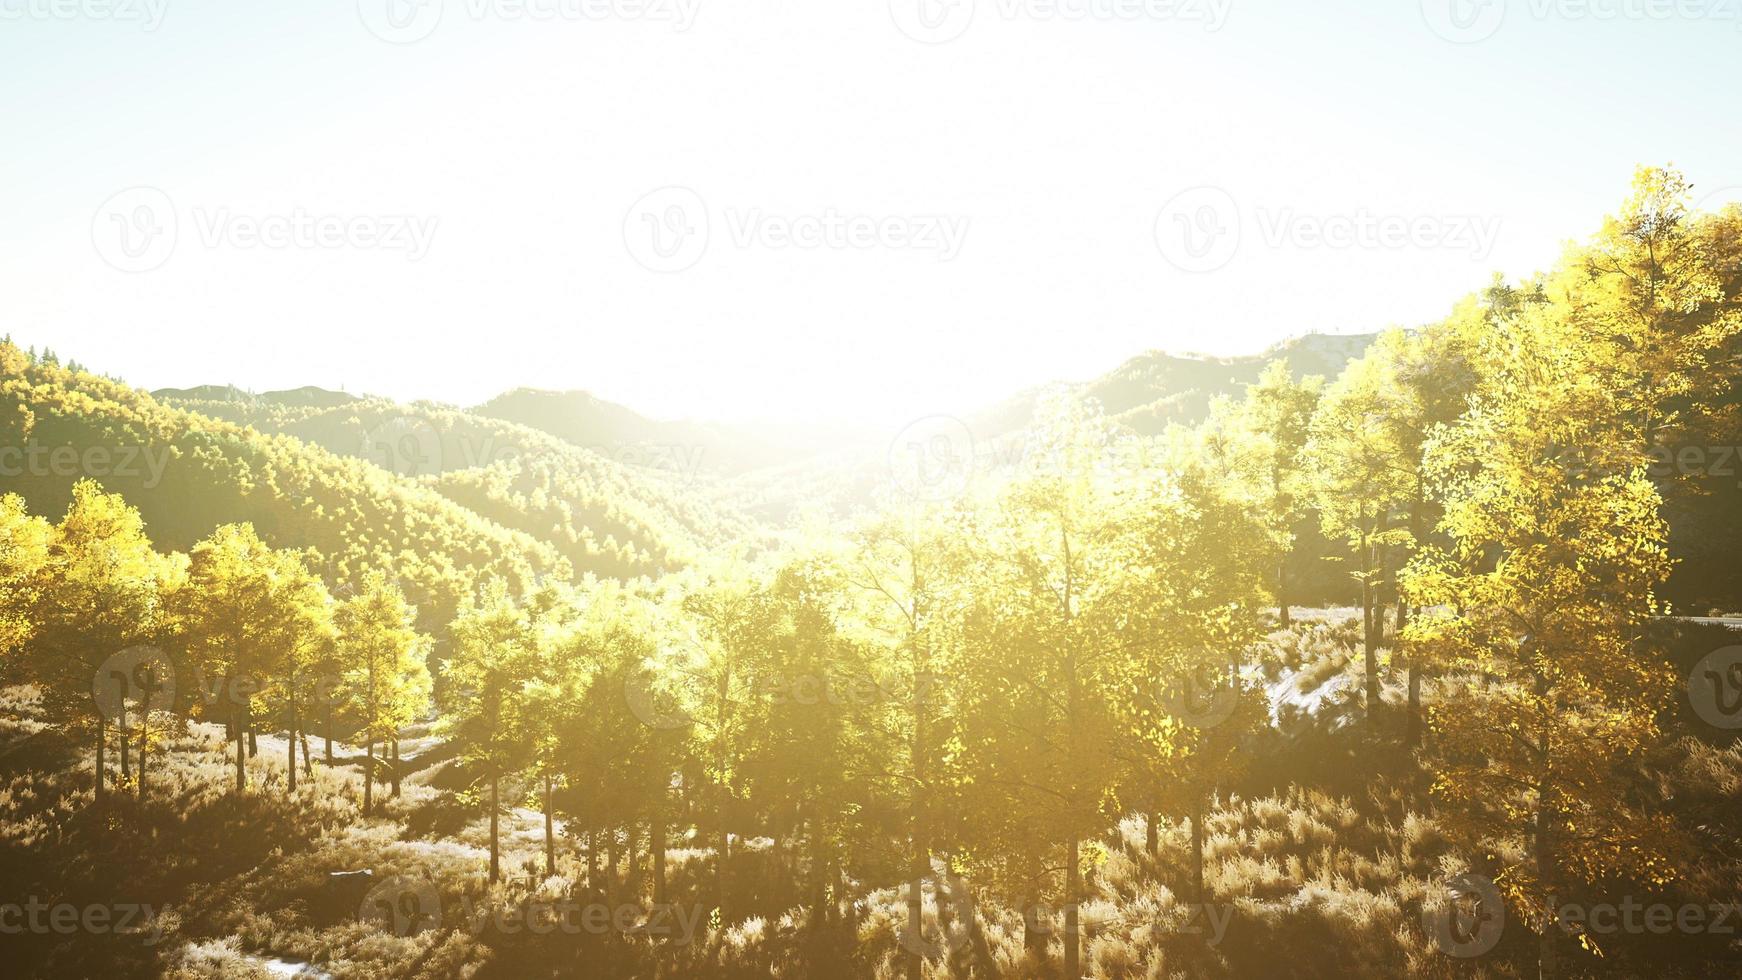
(519, 192)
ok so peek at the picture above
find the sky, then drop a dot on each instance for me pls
(852, 210)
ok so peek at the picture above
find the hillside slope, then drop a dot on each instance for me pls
(188, 473)
(607, 518)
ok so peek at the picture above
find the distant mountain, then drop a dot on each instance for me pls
(308, 395)
(614, 517)
(1147, 393)
(1154, 389)
(622, 434)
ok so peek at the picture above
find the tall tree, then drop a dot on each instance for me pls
(1358, 485)
(244, 614)
(99, 593)
(1278, 412)
(1044, 661)
(1537, 606)
(907, 565)
(1425, 382)
(387, 682)
(494, 656)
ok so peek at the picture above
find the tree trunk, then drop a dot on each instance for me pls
(121, 731)
(368, 774)
(395, 769)
(920, 859)
(919, 864)
(1198, 851)
(593, 859)
(1368, 641)
(1413, 730)
(1151, 835)
(241, 755)
(1547, 870)
(722, 857)
(495, 840)
(1282, 592)
(327, 733)
(144, 745)
(102, 736)
(1033, 931)
(549, 833)
(632, 859)
(1548, 966)
(656, 841)
(820, 872)
(611, 866)
(308, 765)
(1073, 888)
(985, 963)
(290, 743)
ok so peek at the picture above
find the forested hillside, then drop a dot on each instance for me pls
(611, 518)
(189, 473)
